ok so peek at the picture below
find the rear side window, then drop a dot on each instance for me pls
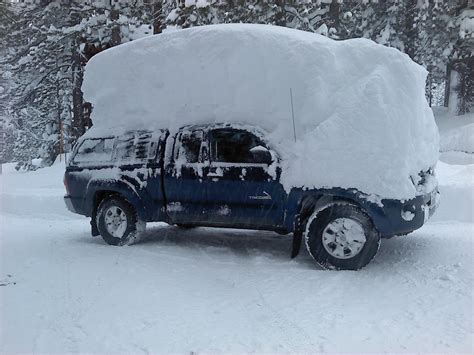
(136, 147)
(95, 150)
(125, 148)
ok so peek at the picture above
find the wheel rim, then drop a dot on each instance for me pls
(115, 221)
(343, 238)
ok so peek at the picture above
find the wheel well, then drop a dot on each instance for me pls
(310, 204)
(98, 198)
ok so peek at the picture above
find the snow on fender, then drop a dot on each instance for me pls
(362, 120)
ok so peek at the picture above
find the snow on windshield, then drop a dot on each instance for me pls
(361, 117)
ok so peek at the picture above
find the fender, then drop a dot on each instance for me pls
(96, 189)
(304, 203)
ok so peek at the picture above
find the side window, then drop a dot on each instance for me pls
(189, 147)
(142, 146)
(125, 149)
(95, 151)
(238, 146)
(138, 147)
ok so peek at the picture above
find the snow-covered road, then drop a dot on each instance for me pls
(225, 290)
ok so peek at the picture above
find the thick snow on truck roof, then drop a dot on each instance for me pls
(359, 108)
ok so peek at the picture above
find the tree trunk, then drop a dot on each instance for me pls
(115, 36)
(411, 31)
(334, 11)
(465, 69)
(77, 124)
(157, 10)
(280, 16)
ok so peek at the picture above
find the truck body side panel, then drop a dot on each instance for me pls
(222, 194)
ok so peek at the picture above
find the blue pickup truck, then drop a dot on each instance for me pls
(224, 175)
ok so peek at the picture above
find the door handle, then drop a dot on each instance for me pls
(215, 174)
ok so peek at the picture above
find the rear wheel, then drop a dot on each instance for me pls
(342, 237)
(117, 221)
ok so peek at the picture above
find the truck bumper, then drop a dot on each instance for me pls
(403, 217)
(73, 204)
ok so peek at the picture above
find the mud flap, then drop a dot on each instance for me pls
(297, 238)
(94, 229)
(295, 250)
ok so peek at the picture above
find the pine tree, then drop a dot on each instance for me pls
(460, 88)
(45, 60)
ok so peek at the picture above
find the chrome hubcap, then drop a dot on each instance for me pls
(115, 221)
(343, 238)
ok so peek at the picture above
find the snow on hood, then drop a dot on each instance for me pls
(362, 120)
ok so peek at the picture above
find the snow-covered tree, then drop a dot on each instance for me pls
(460, 84)
(44, 61)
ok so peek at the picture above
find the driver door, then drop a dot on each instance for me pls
(243, 181)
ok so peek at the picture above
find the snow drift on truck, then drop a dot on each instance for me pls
(361, 117)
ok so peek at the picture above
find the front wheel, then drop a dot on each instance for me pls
(342, 237)
(116, 221)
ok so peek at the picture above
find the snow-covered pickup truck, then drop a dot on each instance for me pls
(223, 175)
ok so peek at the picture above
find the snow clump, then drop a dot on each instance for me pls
(362, 120)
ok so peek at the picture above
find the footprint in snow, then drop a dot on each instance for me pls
(7, 281)
(446, 277)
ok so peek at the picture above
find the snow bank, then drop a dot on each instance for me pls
(8, 167)
(33, 193)
(456, 184)
(362, 120)
(461, 140)
(456, 132)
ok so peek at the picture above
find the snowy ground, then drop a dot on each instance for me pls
(225, 290)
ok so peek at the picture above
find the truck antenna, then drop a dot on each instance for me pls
(293, 114)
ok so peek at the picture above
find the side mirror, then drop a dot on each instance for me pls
(261, 155)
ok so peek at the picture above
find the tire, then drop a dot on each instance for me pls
(335, 237)
(117, 221)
